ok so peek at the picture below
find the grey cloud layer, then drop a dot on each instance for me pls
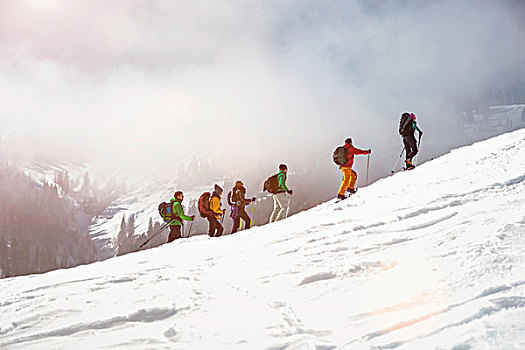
(130, 78)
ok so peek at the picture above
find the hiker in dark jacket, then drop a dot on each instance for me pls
(216, 218)
(176, 224)
(238, 202)
(281, 197)
(407, 129)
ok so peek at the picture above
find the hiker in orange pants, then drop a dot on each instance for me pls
(349, 175)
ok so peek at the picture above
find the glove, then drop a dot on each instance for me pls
(290, 192)
(253, 199)
(369, 151)
(192, 217)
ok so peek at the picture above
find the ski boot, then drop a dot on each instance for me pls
(409, 165)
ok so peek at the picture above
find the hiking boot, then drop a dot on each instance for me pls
(341, 196)
(352, 190)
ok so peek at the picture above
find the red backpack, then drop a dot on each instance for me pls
(204, 205)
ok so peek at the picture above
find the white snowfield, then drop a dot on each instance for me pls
(432, 258)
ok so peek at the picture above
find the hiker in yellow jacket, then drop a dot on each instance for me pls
(215, 220)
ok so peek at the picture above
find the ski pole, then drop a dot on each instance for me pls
(418, 143)
(191, 225)
(251, 217)
(367, 168)
(154, 235)
(402, 150)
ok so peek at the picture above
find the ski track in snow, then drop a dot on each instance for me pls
(427, 259)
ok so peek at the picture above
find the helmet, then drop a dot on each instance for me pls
(412, 116)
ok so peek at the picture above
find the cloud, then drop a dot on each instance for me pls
(250, 82)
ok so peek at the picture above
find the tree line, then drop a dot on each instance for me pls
(38, 222)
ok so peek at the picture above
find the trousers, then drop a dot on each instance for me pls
(241, 215)
(410, 144)
(215, 226)
(175, 233)
(281, 206)
(349, 180)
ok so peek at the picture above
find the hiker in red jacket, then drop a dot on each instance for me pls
(349, 175)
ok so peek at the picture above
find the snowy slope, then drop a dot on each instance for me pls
(433, 258)
(46, 171)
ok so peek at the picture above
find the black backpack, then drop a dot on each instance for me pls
(340, 155)
(406, 126)
(271, 184)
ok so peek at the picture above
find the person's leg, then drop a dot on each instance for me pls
(407, 147)
(220, 229)
(284, 203)
(276, 209)
(346, 181)
(353, 179)
(236, 223)
(412, 143)
(211, 221)
(244, 215)
(175, 233)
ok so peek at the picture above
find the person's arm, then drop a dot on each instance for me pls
(282, 181)
(418, 129)
(359, 151)
(180, 212)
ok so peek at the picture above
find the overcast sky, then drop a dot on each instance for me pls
(133, 81)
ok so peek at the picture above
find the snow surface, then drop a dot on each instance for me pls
(432, 258)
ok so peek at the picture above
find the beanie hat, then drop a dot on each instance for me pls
(218, 188)
(348, 140)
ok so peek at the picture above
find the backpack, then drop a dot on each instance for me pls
(271, 184)
(237, 196)
(340, 155)
(204, 205)
(166, 212)
(405, 125)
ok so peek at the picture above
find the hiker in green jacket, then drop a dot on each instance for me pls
(281, 197)
(178, 212)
